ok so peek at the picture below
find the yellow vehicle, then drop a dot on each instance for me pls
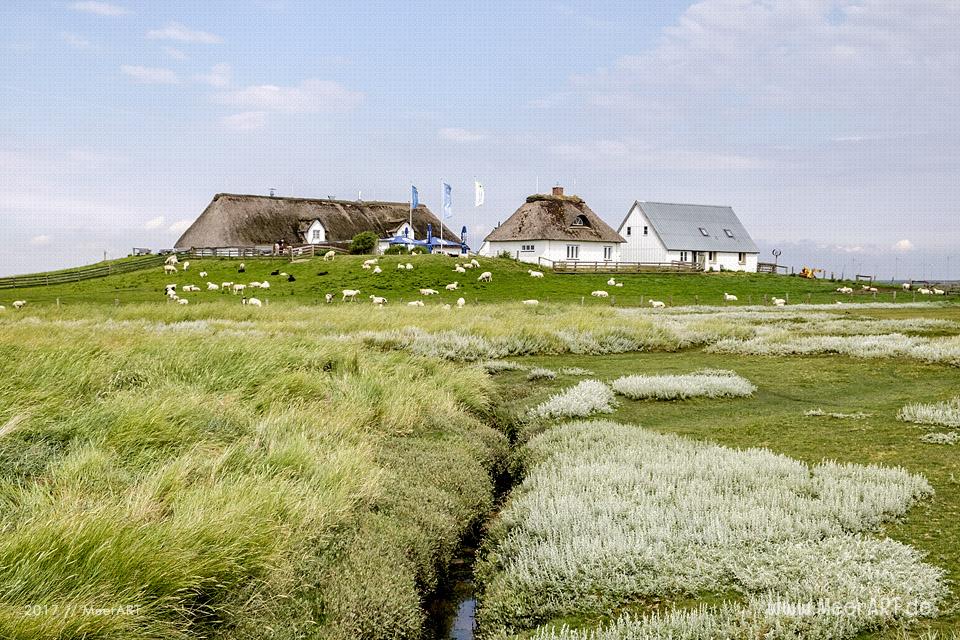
(809, 273)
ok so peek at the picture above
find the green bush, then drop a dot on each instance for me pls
(364, 242)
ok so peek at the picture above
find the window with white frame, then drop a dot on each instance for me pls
(573, 252)
(711, 256)
(527, 248)
(316, 235)
(742, 257)
(683, 256)
(580, 221)
(608, 254)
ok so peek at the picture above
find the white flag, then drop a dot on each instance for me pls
(478, 194)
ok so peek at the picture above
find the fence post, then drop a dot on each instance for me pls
(581, 300)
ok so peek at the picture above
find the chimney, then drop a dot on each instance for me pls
(558, 190)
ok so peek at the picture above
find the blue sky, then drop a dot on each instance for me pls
(830, 126)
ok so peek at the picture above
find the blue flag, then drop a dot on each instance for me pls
(414, 197)
(447, 201)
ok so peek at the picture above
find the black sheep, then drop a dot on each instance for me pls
(290, 278)
(322, 273)
(275, 272)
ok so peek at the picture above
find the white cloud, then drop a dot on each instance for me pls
(175, 54)
(310, 96)
(218, 77)
(76, 41)
(180, 226)
(177, 31)
(460, 136)
(41, 240)
(100, 8)
(155, 223)
(627, 155)
(903, 245)
(150, 75)
(246, 121)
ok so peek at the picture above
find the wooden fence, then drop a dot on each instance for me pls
(82, 273)
(770, 267)
(624, 267)
(261, 251)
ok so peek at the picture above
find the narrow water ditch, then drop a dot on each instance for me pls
(452, 607)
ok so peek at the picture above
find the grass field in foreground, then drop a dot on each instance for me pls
(774, 418)
(511, 282)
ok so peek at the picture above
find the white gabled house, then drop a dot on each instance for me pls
(709, 236)
(555, 227)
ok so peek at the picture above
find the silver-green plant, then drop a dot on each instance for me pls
(708, 384)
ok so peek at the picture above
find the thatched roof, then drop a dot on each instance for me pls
(244, 221)
(552, 217)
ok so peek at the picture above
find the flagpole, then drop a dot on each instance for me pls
(442, 195)
(410, 201)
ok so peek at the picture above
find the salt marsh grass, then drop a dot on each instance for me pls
(710, 384)
(950, 437)
(541, 373)
(610, 514)
(941, 414)
(584, 399)
(820, 413)
(575, 371)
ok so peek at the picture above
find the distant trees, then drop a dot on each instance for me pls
(364, 242)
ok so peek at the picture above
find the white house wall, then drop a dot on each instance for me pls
(639, 247)
(316, 226)
(553, 250)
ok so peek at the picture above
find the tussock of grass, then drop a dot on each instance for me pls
(707, 384)
(951, 437)
(582, 400)
(820, 413)
(540, 373)
(941, 414)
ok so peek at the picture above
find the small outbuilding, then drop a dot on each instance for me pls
(557, 228)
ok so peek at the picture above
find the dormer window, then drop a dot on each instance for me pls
(580, 221)
(728, 233)
(703, 232)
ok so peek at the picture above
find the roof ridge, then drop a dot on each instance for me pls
(687, 204)
(305, 199)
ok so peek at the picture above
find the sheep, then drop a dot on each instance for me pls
(939, 292)
(19, 304)
(370, 262)
(255, 285)
(460, 303)
(186, 266)
(619, 284)
(291, 278)
(191, 288)
(170, 287)
(169, 268)
(212, 287)
(409, 267)
(253, 302)
(171, 260)
(599, 294)
(611, 282)
(203, 274)
(428, 292)
(275, 272)
(282, 274)
(242, 268)
(329, 255)
(872, 289)
(377, 269)
(468, 265)
(350, 294)
(183, 301)
(779, 302)
(532, 303)
(844, 290)
(238, 288)
(729, 297)
(474, 262)
(535, 274)
(459, 269)
(328, 298)
(365, 266)
(486, 276)
(446, 307)
(452, 286)
(2, 308)
(657, 304)
(924, 291)
(226, 285)
(906, 286)
(415, 303)
(400, 266)
(378, 300)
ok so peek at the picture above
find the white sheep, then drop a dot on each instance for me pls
(377, 269)
(409, 267)
(459, 269)
(400, 266)
(203, 274)
(535, 274)
(242, 268)
(182, 301)
(468, 265)
(370, 262)
(872, 289)
(19, 304)
(460, 303)
(255, 285)
(169, 268)
(226, 285)
(906, 286)
(924, 291)
(452, 286)
(253, 302)
(378, 300)
(486, 276)
(428, 292)
(186, 265)
(350, 294)
(657, 304)
(212, 287)
(264, 285)
(446, 307)
(2, 308)
(415, 303)
(366, 266)
(619, 284)
(865, 287)
(328, 298)
(474, 262)
(191, 288)
(599, 294)
(238, 288)
(171, 260)
(729, 297)
(779, 302)
(532, 303)
(939, 292)
(611, 282)
(329, 255)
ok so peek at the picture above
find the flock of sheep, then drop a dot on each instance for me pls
(170, 290)
(350, 295)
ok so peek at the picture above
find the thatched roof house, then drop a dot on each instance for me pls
(259, 221)
(555, 227)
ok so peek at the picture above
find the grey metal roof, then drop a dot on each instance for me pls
(678, 226)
